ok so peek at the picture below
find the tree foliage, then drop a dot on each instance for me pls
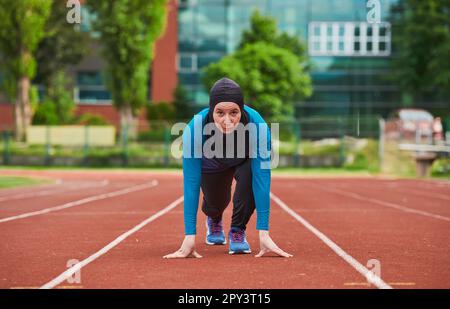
(271, 67)
(63, 45)
(22, 27)
(421, 37)
(128, 30)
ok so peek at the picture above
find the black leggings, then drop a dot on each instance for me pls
(216, 188)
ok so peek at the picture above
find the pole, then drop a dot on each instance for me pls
(125, 145)
(6, 153)
(166, 144)
(86, 146)
(381, 140)
(47, 160)
(342, 141)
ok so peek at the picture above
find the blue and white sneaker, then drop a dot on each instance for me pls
(214, 233)
(238, 241)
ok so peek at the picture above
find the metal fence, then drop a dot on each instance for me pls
(318, 139)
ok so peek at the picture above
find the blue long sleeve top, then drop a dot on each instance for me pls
(192, 163)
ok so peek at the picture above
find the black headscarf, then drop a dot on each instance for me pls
(227, 90)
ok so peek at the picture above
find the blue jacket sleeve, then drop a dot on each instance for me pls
(261, 173)
(192, 164)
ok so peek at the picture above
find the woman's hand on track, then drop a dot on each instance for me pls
(187, 249)
(268, 245)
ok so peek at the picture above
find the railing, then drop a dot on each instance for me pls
(318, 141)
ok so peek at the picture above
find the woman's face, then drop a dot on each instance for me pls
(226, 116)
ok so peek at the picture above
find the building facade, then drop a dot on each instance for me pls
(351, 55)
(89, 89)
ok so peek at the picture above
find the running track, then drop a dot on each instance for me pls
(118, 225)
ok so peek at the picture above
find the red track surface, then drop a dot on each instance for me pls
(404, 224)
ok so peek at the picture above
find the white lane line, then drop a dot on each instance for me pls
(382, 203)
(405, 190)
(434, 195)
(370, 276)
(86, 200)
(430, 195)
(102, 183)
(68, 273)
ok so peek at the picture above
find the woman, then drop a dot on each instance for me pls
(214, 174)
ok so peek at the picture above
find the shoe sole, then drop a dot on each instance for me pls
(215, 243)
(240, 252)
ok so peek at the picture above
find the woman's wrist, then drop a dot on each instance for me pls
(263, 233)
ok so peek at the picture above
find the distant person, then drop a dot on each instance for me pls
(214, 175)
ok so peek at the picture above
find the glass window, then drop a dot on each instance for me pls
(187, 62)
(316, 30)
(189, 78)
(90, 78)
(329, 30)
(211, 44)
(211, 13)
(206, 59)
(358, 39)
(316, 46)
(94, 95)
(329, 46)
(90, 88)
(210, 30)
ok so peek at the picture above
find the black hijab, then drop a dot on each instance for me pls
(227, 90)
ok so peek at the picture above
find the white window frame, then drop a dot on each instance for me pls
(194, 63)
(324, 39)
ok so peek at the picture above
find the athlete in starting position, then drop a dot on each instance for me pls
(214, 175)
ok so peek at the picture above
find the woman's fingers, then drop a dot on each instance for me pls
(195, 254)
(261, 253)
(181, 254)
(171, 255)
(176, 254)
(281, 252)
(275, 250)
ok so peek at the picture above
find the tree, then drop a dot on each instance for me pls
(264, 29)
(183, 109)
(62, 45)
(22, 25)
(421, 40)
(160, 111)
(62, 101)
(271, 67)
(128, 30)
(271, 77)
